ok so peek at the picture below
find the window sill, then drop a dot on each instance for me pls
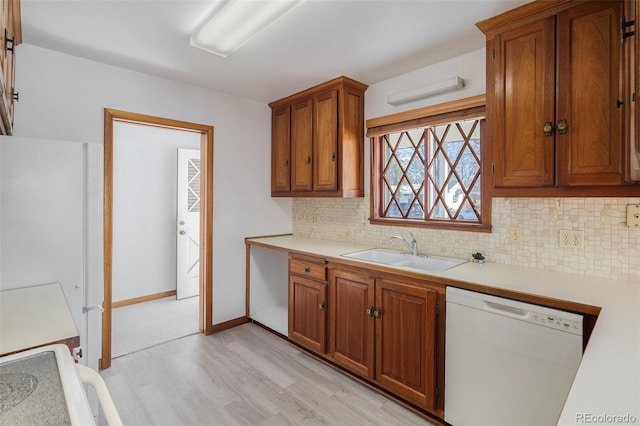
(443, 225)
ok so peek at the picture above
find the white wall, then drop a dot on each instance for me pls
(471, 67)
(145, 173)
(63, 97)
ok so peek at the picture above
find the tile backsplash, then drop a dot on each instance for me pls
(611, 249)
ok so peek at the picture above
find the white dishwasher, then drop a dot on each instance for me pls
(507, 362)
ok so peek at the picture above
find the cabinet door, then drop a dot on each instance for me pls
(589, 82)
(524, 90)
(307, 307)
(405, 341)
(301, 146)
(325, 142)
(634, 94)
(280, 143)
(352, 322)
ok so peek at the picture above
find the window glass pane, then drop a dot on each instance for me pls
(433, 173)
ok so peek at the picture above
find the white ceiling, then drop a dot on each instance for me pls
(368, 40)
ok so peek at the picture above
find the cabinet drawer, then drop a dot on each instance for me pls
(315, 270)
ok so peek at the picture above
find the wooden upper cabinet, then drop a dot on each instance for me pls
(632, 56)
(280, 150)
(556, 99)
(525, 99)
(590, 94)
(302, 146)
(326, 134)
(325, 142)
(11, 34)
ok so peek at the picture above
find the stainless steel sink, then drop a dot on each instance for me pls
(405, 260)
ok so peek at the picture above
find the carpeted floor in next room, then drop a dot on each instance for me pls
(147, 324)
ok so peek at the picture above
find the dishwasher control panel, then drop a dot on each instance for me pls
(557, 322)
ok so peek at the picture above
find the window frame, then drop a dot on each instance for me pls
(458, 110)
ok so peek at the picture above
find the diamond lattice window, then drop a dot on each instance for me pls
(193, 185)
(432, 173)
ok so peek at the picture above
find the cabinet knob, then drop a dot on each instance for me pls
(308, 159)
(548, 128)
(370, 311)
(307, 269)
(562, 127)
(333, 156)
(321, 306)
(286, 163)
(377, 312)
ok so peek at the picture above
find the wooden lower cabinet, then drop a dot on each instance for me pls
(386, 330)
(307, 319)
(308, 304)
(352, 325)
(406, 341)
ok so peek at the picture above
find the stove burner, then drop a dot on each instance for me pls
(15, 388)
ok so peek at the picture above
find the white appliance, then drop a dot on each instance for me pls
(44, 386)
(507, 362)
(51, 225)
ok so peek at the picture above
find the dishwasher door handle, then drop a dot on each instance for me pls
(506, 310)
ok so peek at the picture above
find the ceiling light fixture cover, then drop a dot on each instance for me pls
(234, 22)
(438, 88)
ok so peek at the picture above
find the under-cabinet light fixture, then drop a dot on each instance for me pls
(438, 88)
(234, 22)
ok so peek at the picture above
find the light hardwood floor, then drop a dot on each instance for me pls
(242, 376)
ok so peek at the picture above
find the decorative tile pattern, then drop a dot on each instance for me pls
(611, 249)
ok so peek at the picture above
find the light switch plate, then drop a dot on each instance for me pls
(633, 215)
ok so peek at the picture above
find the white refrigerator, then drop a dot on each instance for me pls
(51, 226)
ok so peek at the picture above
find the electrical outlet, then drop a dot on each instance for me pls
(633, 215)
(515, 235)
(571, 238)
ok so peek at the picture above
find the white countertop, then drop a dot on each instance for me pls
(608, 381)
(34, 316)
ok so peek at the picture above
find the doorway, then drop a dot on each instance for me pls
(205, 279)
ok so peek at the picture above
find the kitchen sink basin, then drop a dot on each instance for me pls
(405, 260)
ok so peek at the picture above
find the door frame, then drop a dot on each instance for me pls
(205, 315)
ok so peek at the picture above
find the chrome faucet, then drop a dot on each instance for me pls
(413, 245)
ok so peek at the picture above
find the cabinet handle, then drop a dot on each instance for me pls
(321, 306)
(562, 127)
(548, 128)
(377, 312)
(370, 311)
(306, 269)
(333, 156)
(9, 41)
(308, 159)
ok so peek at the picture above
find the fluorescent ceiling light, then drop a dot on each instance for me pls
(234, 22)
(438, 88)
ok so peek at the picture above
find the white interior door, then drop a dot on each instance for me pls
(188, 226)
